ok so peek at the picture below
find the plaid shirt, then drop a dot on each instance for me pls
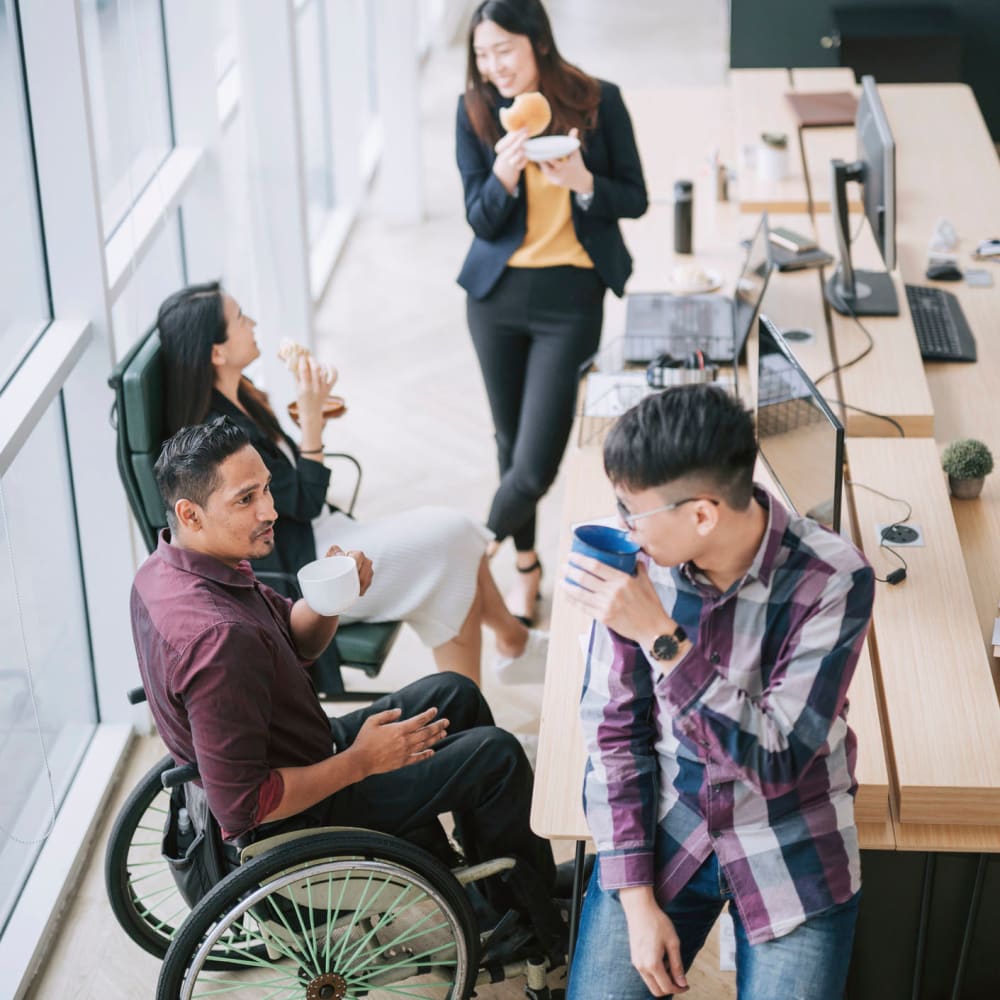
(743, 747)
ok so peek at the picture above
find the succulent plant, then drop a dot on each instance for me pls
(967, 459)
(777, 140)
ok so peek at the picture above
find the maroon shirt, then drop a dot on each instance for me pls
(225, 683)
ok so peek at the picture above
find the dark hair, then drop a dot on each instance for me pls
(188, 465)
(190, 322)
(692, 430)
(571, 93)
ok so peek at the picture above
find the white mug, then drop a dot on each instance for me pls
(772, 162)
(331, 585)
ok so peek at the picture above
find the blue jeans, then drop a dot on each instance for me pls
(810, 963)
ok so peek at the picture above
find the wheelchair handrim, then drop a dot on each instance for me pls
(358, 977)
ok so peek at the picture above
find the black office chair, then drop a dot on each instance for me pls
(138, 415)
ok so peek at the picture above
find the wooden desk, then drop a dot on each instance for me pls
(557, 806)
(759, 106)
(947, 168)
(677, 130)
(942, 715)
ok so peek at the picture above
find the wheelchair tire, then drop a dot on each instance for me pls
(141, 889)
(345, 914)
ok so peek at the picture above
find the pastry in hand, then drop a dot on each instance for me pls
(529, 111)
(292, 353)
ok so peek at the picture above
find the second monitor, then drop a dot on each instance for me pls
(849, 291)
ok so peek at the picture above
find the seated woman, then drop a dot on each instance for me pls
(430, 568)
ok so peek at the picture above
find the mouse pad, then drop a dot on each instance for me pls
(978, 278)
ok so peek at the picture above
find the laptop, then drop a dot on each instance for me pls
(660, 323)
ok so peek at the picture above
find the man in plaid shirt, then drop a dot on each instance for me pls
(721, 766)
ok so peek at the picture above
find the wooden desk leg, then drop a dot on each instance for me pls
(574, 904)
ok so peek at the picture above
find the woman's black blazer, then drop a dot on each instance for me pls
(499, 220)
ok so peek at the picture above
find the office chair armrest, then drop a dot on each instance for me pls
(357, 476)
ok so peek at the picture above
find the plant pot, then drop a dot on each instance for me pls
(966, 489)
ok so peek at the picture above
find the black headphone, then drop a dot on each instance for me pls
(666, 370)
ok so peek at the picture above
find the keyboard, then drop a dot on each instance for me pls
(942, 330)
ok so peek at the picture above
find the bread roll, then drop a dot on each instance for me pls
(291, 352)
(530, 111)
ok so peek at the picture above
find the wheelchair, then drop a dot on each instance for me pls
(316, 915)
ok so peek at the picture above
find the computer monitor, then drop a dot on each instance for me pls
(799, 438)
(866, 293)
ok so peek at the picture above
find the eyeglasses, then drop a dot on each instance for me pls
(630, 519)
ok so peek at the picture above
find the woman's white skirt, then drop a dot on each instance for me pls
(425, 564)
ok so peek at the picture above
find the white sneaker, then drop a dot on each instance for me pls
(529, 667)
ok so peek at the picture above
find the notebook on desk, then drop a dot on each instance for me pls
(835, 107)
(660, 323)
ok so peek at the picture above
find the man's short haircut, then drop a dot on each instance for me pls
(188, 466)
(696, 431)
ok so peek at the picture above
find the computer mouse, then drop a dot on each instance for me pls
(944, 272)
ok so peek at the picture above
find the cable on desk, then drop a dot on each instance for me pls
(854, 360)
(869, 413)
(897, 575)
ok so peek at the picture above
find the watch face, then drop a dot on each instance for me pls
(665, 647)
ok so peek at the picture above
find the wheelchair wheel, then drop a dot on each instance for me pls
(140, 887)
(341, 914)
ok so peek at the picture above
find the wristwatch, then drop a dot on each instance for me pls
(666, 647)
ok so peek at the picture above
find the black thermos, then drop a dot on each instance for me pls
(683, 201)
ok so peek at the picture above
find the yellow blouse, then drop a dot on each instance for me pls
(550, 239)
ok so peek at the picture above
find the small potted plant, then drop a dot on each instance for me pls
(967, 463)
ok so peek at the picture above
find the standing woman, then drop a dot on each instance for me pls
(546, 245)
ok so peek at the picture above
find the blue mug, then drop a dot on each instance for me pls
(609, 545)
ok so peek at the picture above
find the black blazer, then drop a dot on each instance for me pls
(499, 220)
(299, 493)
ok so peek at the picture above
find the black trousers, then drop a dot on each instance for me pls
(532, 334)
(478, 773)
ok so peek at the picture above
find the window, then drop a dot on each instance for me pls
(127, 76)
(314, 102)
(159, 274)
(46, 677)
(24, 305)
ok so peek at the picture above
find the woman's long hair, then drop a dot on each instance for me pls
(190, 322)
(571, 93)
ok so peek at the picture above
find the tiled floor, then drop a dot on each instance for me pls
(393, 322)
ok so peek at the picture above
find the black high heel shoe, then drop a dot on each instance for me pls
(529, 620)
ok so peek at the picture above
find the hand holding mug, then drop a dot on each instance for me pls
(365, 569)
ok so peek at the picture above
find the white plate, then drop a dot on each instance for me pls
(712, 282)
(550, 147)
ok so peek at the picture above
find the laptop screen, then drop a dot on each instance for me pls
(751, 284)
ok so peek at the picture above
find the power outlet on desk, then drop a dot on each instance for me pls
(900, 536)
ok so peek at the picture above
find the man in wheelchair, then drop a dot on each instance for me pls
(222, 659)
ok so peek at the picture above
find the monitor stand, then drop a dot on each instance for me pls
(851, 292)
(874, 294)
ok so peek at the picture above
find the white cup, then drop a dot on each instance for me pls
(331, 585)
(771, 162)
